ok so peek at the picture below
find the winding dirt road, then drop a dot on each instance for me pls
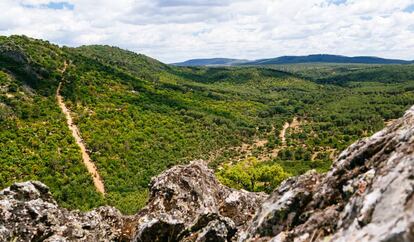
(97, 180)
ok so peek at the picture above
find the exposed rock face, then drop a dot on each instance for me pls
(29, 213)
(14, 53)
(367, 196)
(188, 203)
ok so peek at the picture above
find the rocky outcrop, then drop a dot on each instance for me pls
(188, 203)
(368, 195)
(14, 53)
(29, 213)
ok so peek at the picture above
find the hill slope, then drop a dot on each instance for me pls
(138, 116)
(35, 142)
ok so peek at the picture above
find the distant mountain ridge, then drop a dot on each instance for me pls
(318, 58)
(211, 62)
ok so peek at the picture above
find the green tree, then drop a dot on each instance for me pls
(252, 175)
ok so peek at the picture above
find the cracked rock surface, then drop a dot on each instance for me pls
(29, 213)
(188, 203)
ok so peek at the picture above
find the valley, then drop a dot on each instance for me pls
(132, 117)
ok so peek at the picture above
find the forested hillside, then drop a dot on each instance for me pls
(138, 116)
(35, 143)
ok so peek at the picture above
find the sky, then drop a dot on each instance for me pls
(177, 30)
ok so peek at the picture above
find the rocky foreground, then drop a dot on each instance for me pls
(368, 195)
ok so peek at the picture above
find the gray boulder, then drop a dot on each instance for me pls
(188, 203)
(29, 213)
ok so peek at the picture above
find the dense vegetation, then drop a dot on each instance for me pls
(252, 175)
(35, 143)
(138, 117)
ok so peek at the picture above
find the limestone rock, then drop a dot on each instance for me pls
(284, 208)
(29, 213)
(188, 203)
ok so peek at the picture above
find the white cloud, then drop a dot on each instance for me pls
(173, 30)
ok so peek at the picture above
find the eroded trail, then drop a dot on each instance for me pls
(295, 123)
(282, 134)
(97, 181)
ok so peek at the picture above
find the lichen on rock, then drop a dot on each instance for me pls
(29, 213)
(188, 203)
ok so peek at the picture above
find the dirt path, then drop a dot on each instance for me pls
(97, 180)
(282, 134)
(294, 124)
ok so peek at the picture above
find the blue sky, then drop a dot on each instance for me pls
(59, 5)
(409, 9)
(50, 5)
(338, 2)
(176, 30)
